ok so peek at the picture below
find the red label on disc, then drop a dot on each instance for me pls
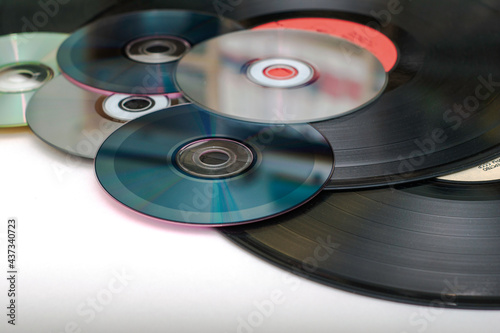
(372, 40)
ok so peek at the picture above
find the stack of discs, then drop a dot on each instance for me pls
(434, 242)
(195, 165)
(117, 102)
(419, 126)
(115, 70)
(193, 120)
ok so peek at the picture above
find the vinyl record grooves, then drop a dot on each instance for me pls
(85, 119)
(186, 165)
(436, 243)
(439, 112)
(135, 53)
(27, 62)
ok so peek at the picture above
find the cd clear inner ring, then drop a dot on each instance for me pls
(280, 73)
(156, 49)
(214, 158)
(23, 77)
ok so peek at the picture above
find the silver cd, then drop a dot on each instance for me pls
(85, 119)
(280, 76)
(27, 62)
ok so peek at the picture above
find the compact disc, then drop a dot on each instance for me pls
(436, 244)
(84, 118)
(280, 76)
(186, 165)
(27, 62)
(439, 111)
(135, 53)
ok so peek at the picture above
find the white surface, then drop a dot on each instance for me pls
(73, 240)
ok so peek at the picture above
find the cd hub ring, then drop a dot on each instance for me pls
(214, 158)
(127, 107)
(157, 49)
(24, 76)
(280, 73)
(137, 103)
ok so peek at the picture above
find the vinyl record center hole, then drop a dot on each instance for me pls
(214, 157)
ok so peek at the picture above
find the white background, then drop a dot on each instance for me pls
(73, 240)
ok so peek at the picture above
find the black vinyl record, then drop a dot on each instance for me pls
(439, 112)
(435, 244)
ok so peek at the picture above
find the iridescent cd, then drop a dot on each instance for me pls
(27, 62)
(85, 119)
(280, 76)
(135, 53)
(186, 165)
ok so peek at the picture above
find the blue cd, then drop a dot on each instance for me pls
(186, 165)
(136, 53)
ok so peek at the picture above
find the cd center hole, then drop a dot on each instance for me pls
(214, 157)
(280, 72)
(158, 49)
(21, 77)
(136, 104)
